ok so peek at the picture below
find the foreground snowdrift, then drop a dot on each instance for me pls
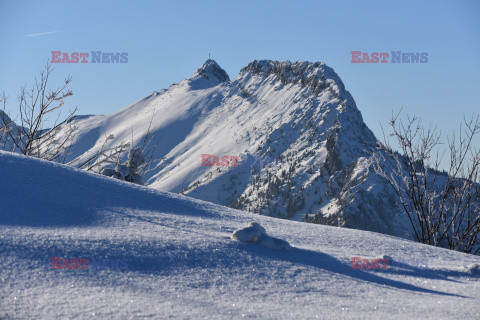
(158, 255)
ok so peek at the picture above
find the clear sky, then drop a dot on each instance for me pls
(167, 41)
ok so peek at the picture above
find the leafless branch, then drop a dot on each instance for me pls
(30, 135)
(443, 207)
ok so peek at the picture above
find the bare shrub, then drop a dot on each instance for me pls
(39, 107)
(443, 207)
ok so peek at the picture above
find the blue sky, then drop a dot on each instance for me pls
(167, 41)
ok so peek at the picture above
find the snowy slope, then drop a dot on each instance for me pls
(297, 132)
(182, 263)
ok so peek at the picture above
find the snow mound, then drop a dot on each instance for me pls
(250, 233)
(257, 234)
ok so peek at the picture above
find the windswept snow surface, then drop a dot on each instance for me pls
(182, 263)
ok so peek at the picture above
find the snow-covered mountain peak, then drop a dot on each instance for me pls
(210, 71)
(297, 134)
